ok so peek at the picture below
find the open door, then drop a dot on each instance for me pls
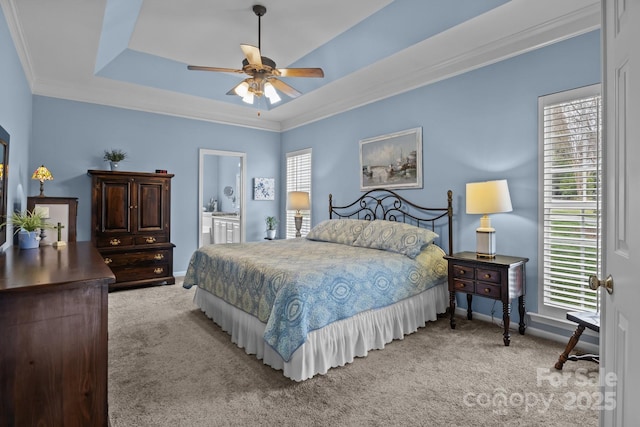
(620, 316)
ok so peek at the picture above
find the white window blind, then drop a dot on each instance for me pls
(298, 179)
(571, 200)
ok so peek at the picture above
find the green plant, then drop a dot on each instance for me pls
(115, 155)
(272, 222)
(27, 220)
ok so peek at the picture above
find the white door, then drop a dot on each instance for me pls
(620, 314)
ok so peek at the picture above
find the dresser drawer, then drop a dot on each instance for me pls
(135, 258)
(141, 272)
(114, 242)
(463, 271)
(488, 275)
(462, 286)
(150, 239)
(488, 290)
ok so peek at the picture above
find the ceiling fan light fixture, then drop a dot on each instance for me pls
(248, 97)
(270, 92)
(242, 89)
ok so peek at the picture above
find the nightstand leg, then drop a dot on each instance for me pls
(452, 309)
(506, 317)
(469, 298)
(521, 311)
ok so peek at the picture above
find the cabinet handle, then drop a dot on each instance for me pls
(158, 257)
(151, 240)
(114, 242)
(158, 270)
(108, 261)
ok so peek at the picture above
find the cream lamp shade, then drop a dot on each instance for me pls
(298, 201)
(486, 198)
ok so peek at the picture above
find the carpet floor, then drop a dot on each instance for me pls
(169, 365)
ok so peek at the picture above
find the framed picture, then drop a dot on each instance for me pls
(264, 188)
(392, 161)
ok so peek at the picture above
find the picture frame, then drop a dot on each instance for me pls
(392, 161)
(264, 188)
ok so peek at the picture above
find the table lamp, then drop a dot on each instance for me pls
(42, 174)
(298, 201)
(487, 198)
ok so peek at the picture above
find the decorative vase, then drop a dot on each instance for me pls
(114, 166)
(271, 234)
(28, 239)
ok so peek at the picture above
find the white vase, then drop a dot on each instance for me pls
(271, 234)
(114, 166)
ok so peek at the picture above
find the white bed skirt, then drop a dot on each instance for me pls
(334, 345)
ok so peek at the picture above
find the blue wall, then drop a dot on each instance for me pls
(15, 118)
(481, 125)
(69, 137)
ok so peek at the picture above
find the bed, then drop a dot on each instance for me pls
(373, 272)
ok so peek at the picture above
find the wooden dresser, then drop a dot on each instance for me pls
(131, 226)
(53, 336)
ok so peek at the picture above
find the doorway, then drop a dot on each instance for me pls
(221, 198)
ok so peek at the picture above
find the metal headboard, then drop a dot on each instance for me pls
(387, 205)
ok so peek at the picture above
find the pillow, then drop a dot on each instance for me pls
(344, 231)
(394, 236)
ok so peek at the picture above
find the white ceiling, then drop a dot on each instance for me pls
(62, 45)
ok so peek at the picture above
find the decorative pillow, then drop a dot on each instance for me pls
(394, 236)
(344, 231)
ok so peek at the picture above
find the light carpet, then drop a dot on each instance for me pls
(169, 365)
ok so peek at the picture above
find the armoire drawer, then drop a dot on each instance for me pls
(137, 258)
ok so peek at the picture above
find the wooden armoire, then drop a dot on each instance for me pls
(131, 226)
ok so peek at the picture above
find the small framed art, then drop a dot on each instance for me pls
(264, 188)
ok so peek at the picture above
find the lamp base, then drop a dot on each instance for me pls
(485, 243)
(298, 222)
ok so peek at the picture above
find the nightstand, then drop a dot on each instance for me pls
(500, 278)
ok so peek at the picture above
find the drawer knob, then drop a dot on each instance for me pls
(487, 276)
(459, 285)
(151, 240)
(158, 270)
(461, 272)
(114, 242)
(158, 257)
(487, 290)
(108, 261)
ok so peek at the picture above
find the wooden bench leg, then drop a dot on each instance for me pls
(570, 345)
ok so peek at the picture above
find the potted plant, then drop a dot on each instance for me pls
(114, 156)
(272, 223)
(27, 225)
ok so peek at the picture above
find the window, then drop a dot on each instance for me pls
(570, 192)
(299, 179)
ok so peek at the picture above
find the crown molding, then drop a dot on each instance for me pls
(19, 41)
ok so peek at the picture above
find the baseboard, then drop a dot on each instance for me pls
(531, 330)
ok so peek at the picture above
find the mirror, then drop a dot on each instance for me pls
(4, 179)
(221, 200)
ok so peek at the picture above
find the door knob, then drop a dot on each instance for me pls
(594, 282)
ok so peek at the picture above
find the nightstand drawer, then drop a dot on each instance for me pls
(463, 271)
(487, 275)
(462, 286)
(488, 290)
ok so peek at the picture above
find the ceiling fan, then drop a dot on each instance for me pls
(263, 73)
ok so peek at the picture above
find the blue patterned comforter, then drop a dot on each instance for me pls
(296, 286)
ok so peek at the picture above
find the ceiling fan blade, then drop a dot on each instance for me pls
(301, 72)
(252, 53)
(223, 70)
(285, 88)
